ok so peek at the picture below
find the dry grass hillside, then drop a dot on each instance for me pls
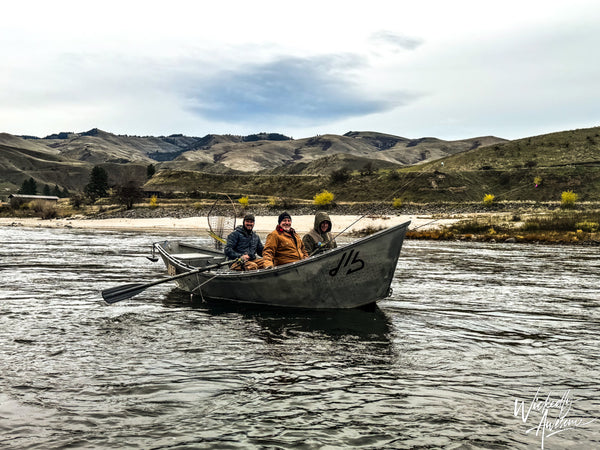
(377, 165)
(22, 157)
(564, 148)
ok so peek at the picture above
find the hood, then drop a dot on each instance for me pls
(321, 216)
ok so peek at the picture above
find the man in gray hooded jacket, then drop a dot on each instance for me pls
(319, 238)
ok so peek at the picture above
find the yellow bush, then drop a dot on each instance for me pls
(589, 226)
(488, 199)
(568, 199)
(397, 203)
(154, 202)
(243, 201)
(537, 181)
(323, 198)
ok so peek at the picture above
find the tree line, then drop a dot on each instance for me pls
(30, 187)
(126, 193)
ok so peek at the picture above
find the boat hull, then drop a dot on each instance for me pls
(351, 276)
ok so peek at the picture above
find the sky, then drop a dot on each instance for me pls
(447, 69)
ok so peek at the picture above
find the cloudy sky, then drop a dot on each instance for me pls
(449, 69)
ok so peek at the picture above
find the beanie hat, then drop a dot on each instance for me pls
(249, 217)
(282, 216)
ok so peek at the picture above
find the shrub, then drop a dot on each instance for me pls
(243, 201)
(368, 230)
(46, 210)
(590, 227)
(488, 199)
(367, 169)
(279, 202)
(340, 176)
(393, 175)
(323, 198)
(568, 199)
(76, 200)
(473, 226)
(129, 193)
(153, 202)
(561, 221)
(397, 203)
(537, 181)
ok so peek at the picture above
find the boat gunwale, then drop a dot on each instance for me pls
(277, 269)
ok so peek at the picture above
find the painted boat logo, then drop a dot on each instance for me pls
(353, 263)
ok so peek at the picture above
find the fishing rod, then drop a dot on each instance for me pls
(320, 245)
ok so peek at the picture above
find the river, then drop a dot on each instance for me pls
(479, 346)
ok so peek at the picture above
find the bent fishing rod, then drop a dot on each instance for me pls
(320, 245)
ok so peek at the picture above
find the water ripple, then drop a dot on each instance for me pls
(469, 329)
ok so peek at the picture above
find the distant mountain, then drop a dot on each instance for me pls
(268, 155)
(66, 158)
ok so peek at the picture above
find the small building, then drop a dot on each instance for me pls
(17, 200)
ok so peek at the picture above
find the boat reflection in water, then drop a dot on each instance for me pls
(368, 323)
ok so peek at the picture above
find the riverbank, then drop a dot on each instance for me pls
(511, 223)
(353, 224)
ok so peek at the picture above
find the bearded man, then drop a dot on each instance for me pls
(244, 244)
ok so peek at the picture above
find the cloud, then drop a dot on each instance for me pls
(307, 89)
(395, 41)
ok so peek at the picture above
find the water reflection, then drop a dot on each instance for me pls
(369, 323)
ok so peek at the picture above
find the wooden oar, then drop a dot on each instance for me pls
(118, 293)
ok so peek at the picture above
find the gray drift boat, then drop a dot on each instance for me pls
(349, 276)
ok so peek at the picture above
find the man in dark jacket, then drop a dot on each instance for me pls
(245, 244)
(319, 238)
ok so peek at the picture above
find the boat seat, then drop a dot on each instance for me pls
(185, 256)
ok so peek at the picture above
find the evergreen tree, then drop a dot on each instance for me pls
(24, 187)
(29, 187)
(56, 191)
(98, 185)
(46, 190)
(150, 171)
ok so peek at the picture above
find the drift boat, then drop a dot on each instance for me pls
(349, 276)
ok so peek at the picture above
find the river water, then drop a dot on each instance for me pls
(472, 333)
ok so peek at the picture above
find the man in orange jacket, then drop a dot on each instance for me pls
(283, 245)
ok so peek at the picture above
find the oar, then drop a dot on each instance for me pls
(118, 293)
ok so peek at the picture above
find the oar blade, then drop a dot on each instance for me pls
(118, 293)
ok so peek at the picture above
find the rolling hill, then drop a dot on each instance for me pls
(424, 169)
(66, 158)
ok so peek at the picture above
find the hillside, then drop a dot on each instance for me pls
(425, 169)
(559, 149)
(66, 158)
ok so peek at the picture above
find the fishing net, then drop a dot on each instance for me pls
(221, 220)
